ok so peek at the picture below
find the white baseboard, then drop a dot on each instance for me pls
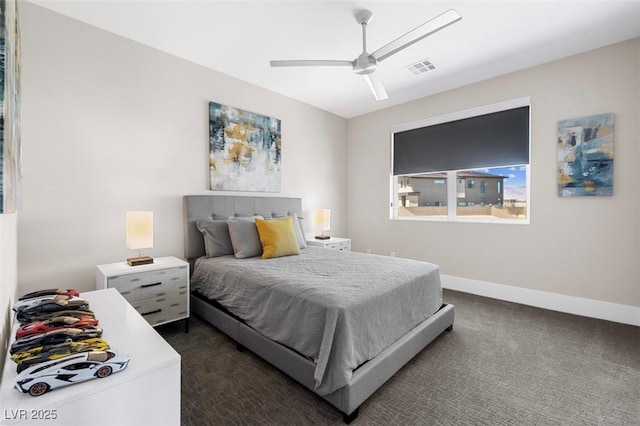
(556, 302)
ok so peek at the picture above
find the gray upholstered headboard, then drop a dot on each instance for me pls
(198, 207)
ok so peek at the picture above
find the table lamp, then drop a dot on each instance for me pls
(139, 235)
(323, 223)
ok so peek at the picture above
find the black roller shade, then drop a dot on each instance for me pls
(490, 140)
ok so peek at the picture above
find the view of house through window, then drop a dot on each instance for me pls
(422, 195)
(498, 193)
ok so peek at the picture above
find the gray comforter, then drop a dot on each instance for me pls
(338, 308)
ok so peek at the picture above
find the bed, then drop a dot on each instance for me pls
(304, 313)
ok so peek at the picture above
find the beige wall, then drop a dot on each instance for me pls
(582, 247)
(8, 279)
(110, 125)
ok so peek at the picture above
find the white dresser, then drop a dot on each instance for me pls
(334, 243)
(147, 392)
(158, 291)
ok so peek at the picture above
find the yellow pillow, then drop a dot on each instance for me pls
(277, 237)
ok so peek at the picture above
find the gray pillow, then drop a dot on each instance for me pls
(297, 227)
(217, 241)
(244, 237)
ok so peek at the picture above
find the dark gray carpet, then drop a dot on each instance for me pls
(503, 364)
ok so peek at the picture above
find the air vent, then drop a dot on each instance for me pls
(421, 67)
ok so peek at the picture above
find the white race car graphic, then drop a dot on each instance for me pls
(45, 376)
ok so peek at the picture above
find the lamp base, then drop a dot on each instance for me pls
(322, 237)
(137, 261)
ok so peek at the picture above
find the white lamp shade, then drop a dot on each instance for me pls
(139, 230)
(323, 219)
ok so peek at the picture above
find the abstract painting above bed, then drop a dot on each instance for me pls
(244, 150)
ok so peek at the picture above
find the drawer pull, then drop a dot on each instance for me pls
(150, 285)
(152, 312)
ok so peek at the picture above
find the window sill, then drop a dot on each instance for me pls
(462, 220)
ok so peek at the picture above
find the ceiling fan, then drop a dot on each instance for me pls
(366, 63)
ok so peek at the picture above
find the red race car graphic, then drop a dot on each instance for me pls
(54, 324)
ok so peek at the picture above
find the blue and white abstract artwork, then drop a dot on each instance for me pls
(585, 156)
(244, 150)
(10, 147)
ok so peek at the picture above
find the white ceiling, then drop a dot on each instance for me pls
(240, 37)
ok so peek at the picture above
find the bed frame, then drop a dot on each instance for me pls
(367, 378)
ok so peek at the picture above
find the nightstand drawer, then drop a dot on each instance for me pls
(340, 245)
(163, 309)
(143, 285)
(334, 243)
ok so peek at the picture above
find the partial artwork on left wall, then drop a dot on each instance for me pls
(10, 147)
(244, 150)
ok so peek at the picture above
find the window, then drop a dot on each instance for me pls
(471, 166)
(78, 366)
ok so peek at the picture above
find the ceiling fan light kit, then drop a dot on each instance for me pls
(366, 64)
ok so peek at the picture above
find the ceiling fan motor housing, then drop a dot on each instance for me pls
(365, 64)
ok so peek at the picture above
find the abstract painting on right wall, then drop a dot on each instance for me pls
(585, 156)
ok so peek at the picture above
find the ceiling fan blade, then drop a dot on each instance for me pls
(311, 63)
(417, 34)
(376, 86)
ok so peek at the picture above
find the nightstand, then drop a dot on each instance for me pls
(158, 291)
(343, 244)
